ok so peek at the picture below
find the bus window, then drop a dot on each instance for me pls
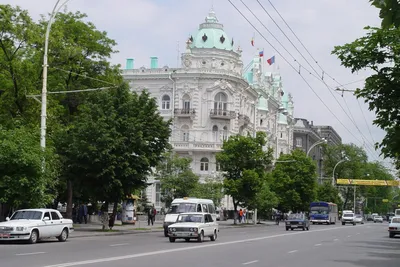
(205, 208)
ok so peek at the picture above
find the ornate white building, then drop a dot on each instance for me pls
(211, 97)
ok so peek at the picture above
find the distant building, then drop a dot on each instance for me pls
(213, 96)
(306, 134)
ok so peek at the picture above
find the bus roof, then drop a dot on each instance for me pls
(192, 200)
(322, 203)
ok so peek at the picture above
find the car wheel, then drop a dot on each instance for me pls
(304, 228)
(201, 237)
(343, 223)
(172, 239)
(187, 239)
(165, 232)
(391, 235)
(64, 235)
(34, 237)
(354, 223)
(214, 236)
(287, 228)
(291, 229)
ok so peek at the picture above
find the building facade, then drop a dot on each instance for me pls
(211, 97)
(306, 134)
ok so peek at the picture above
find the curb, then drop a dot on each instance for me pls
(134, 232)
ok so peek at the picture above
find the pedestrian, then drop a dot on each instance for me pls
(240, 215)
(85, 213)
(150, 214)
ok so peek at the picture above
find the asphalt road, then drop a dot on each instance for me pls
(363, 245)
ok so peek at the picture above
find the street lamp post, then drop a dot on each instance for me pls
(334, 169)
(43, 115)
(322, 141)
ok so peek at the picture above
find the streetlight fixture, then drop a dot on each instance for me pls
(322, 141)
(43, 115)
(334, 168)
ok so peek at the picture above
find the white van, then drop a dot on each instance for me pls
(397, 212)
(187, 204)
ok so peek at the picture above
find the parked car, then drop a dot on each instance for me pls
(378, 219)
(33, 225)
(297, 221)
(359, 219)
(193, 226)
(394, 227)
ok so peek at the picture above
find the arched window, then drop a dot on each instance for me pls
(186, 103)
(225, 133)
(166, 102)
(215, 133)
(204, 164)
(185, 133)
(220, 101)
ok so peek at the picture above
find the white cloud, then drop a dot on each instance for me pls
(144, 28)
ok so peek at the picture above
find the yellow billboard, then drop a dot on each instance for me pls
(367, 182)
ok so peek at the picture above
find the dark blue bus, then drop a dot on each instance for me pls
(323, 212)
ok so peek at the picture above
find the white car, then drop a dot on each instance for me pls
(359, 219)
(35, 224)
(193, 226)
(378, 219)
(394, 226)
(348, 218)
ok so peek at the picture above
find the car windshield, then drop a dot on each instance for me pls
(182, 208)
(196, 218)
(296, 216)
(396, 220)
(319, 210)
(348, 215)
(26, 215)
(358, 216)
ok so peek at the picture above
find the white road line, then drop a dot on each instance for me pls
(159, 252)
(335, 239)
(349, 236)
(242, 232)
(117, 245)
(32, 253)
(317, 245)
(250, 262)
(357, 233)
(293, 251)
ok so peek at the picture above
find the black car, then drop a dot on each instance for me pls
(297, 221)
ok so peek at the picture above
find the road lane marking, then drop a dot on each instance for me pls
(117, 245)
(293, 251)
(357, 233)
(32, 253)
(242, 232)
(159, 252)
(250, 262)
(335, 239)
(348, 236)
(317, 245)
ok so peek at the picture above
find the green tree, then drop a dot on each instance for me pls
(265, 199)
(379, 52)
(115, 141)
(23, 183)
(176, 177)
(244, 163)
(389, 12)
(328, 193)
(294, 181)
(212, 188)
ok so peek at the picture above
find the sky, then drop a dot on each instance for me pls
(145, 28)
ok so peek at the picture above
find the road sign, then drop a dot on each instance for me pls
(385, 200)
(367, 182)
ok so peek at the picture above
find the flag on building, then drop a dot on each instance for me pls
(271, 60)
(261, 53)
(252, 41)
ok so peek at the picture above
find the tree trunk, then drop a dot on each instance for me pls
(235, 204)
(69, 199)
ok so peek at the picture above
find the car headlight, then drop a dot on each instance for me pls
(21, 228)
(173, 229)
(195, 230)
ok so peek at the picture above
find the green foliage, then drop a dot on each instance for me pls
(389, 12)
(211, 189)
(244, 163)
(115, 141)
(176, 177)
(378, 51)
(23, 183)
(294, 183)
(328, 193)
(265, 198)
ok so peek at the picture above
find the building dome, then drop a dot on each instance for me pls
(211, 34)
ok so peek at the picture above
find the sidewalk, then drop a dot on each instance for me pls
(94, 229)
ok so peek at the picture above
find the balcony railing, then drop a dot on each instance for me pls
(184, 112)
(222, 114)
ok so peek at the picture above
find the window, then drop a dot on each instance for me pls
(186, 103)
(54, 215)
(166, 102)
(299, 142)
(185, 133)
(205, 208)
(220, 102)
(215, 133)
(209, 218)
(211, 208)
(158, 194)
(204, 164)
(217, 167)
(281, 135)
(198, 208)
(47, 214)
(225, 134)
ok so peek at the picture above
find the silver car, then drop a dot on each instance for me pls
(359, 219)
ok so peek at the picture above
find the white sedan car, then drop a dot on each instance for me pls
(34, 224)
(394, 227)
(378, 219)
(359, 219)
(193, 226)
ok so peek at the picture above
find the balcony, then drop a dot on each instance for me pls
(184, 112)
(244, 119)
(222, 114)
(196, 146)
